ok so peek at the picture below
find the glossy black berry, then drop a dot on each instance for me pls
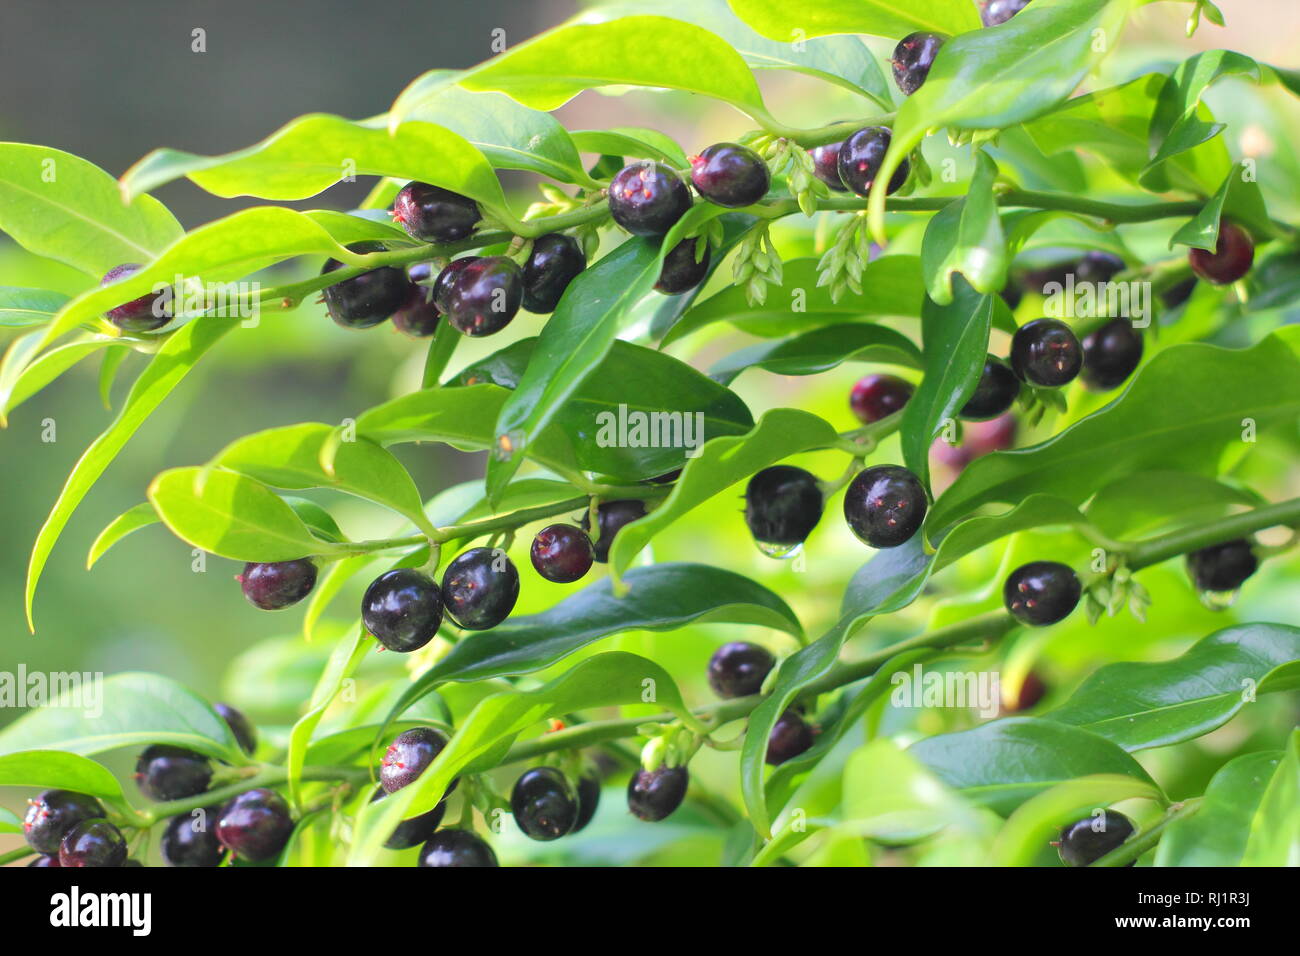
(878, 396)
(648, 198)
(1222, 567)
(93, 843)
(791, 735)
(1045, 352)
(1231, 259)
(418, 317)
(485, 295)
(255, 825)
(861, 156)
(588, 800)
(885, 505)
(562, 553)
(414, 831)
(53, 813)
(738, 669)
(1086, 841)
(731, 175)
(192, 840)
(612, 516)
(996, 392)
(171, 773)
(275, 585)
(45, 860)
(653, 795)
(479, 588)
(402, 608)
(433, 214)
(782, 506)
(1041, 592)
(1110, 355)
(826, 165)
(994, 12)
(1098, 267)
(150, 311)
(456, 848)
(446, 279)
(681, 270)
(544, 805)
(408, 756)
(368, 299)
(243, 729)
(913, 58)
(554, 262)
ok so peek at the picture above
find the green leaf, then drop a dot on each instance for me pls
(133, 519)
(20, 307)
(124, 710)
(1238, 198)
(631, 142)
(56, 770)
(1140, 705)
(59, 206)
(966, 237)
(1142, 503)
(1274, 279)
(25, 372)
(461, 417)
(1003, 763)
(174, 359)
(1275, 833)
(345, 659)
(820, 350)
(1218, 832)
(887, 18)
(347, 228)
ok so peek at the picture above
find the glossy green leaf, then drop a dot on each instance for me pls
(345, 659)
(25, 370)
(1218, 832)
(633, 143)
(781, 20)
(133, 519)
(1274, 279)
(1238, 199)
(1275, 833)
(375, 225)
(23, 307)
(821, 350)
(1145, 502)
(56, 770)
(966, 237)
(9, 822)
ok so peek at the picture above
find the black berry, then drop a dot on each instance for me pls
(456, 848)
(433, 214)
(192, 841)
(1088, 840)
(1110, 355)
(994, 12)
(588, 800)
(738, 669)
(480, 587)
(93, 843)
(408, 756)
(544, 804)
(150, 311)
(611, 517)
(414, 831)
(53, 813)
(653, 795)
(172, 773)
(648, 198)
(45, 860)
(562, 553)
(446, 279)
(402, 608)
(1042, 592)
(1178, 293)
(913, 58)
(418, 316)
(681, 270)
(368, 299)
(996, 392)
(240, 726)
(1231, 259)
(885, 505)
(255, 825)
(782, 506)
(791, 735)
(1222, 567)
(877, 396)
(1045, 352)
(1098, 267)
(485, 295)
(826, 165)
(860, 158)
(275, 585)
(728, 174)
(554, 262)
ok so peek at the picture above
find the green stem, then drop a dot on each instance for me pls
(1133, 849)
(821, 135)
(1110, 211)
(1155, 550)
(17, 853)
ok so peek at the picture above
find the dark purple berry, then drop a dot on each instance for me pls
(554, 262)
(562, 553)
(1042, 592)
(479, 588)
(826, 165)
(1045, 352)
(446, 279)
(192, 840)
(782, 506)
(1110, 355)
(878, 396)
(45, 860)
(433, 214)
(408, 756)
(402, 608)
(667, 478)
(861, 156)
(368, 299)
(996, 392)
(240, 726)
(1088, 840)
(1012, 293)
(1098, 267)
(414, 831)
(1231, 259)
(913, 58)
(255, 825)
(275, 585)
(885, 505)
(791, 735)
(172, 773)
(93, 843)
(420, 272)
(993, 12)
(485, 295)
(544, 804)
(150, 311)
(653, 795)
(418, 316)
(612, 516)
(738, 669)
(681, 270)
(1222, 567)
(588, 800)
(1179, 293)
(647, 198)
(53, 813)
(456, 848)
(731, 175)
(977, 440)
